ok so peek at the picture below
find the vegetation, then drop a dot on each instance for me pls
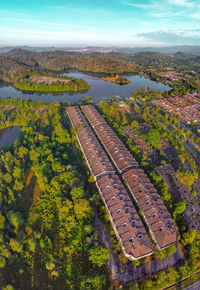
(99, 256)
(47, 240)
(153, 137)
(187, 177)
(117, 79)
(53, 84)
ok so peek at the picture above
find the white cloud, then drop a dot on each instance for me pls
(139, 5)
(72, 36)
(180, 37)
(161, 5)
(47, 23)
(184, 3)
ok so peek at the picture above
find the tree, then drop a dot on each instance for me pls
(77, 193)
(134, 124)
(166, 252)
(15, 219)
(32, 244)
(82, 209)
(93, 282)
(16, 246)
(8, 287)
(153, 137)
(2, 220)
(99, 256)
(187, 177)
(189, 237)
(2, 262)
(50, 265)
(179, 208)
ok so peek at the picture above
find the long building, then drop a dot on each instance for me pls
(117, 151)
(156, 215)
(76, 117)
(95, 156)
(124, 218)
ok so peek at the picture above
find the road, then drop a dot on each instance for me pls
(195, 286)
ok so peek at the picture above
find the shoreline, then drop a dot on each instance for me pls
(51, 83)
(49, 91)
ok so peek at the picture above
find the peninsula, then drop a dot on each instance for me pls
(48, 83)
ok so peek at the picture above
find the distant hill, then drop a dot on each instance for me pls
(17, 63)
(186, 49)
(51, 49)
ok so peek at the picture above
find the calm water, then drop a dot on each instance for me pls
(9, 135)
(99, 89)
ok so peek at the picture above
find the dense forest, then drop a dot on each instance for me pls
(47, 237)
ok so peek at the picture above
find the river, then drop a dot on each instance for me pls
(99, 89)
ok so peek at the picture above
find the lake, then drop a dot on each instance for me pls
(9, 135)
(99, 89)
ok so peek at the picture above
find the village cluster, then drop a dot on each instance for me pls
(187, 108)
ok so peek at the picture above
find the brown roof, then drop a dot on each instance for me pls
(128, 226)
(93, 114)
(96, 158)
(76, 117)
(155, 212)
(114, 146)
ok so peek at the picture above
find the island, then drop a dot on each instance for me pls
(117, 79)
(51, 83)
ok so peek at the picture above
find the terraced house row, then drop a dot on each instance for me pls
(156, 215)
(124, 218)
(95, 156)
(117, 151)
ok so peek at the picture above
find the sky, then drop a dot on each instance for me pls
(80, 23)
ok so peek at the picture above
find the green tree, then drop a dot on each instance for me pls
(153, 137)
(16, 246)
(2, 262)
(179, 208)
(134, 124)
(8, 287)
(187, 177)
(99, 256)
(82, 209)
(15, 219)
(2, 220)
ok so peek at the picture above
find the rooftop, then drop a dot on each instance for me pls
(155, 212)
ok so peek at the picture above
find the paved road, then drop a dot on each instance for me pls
(195, 286)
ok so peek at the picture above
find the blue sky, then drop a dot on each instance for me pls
(99, 22)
